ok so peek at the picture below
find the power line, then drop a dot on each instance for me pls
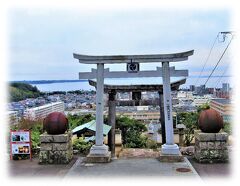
(218, 81)
(218, 61)
(207, 59)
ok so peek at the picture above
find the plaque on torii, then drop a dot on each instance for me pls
(169, 148)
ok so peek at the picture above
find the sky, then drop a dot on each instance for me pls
(42, 40)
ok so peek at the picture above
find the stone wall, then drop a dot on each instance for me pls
(56, 149)
(211, 147)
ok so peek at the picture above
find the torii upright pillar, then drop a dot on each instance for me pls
(162, 119)
(112, 121)
(169, 148)
(99, 149)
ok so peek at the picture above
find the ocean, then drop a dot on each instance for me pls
(67, 86)
(84, 85)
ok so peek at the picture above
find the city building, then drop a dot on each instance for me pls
(184, 95)
(13, 117)
(145, 116)
(225, 87)
(201, 100)
(223, 107)
(222, 94)
(80, 112)
(44, 110)
(201, 90)
(192, 88)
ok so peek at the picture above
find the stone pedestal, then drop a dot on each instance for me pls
(56, 149)
(170, 158)
(98, 154)
(170, 153)
(211, 147)
(118, 142)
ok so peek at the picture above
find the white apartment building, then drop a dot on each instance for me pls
(143, 115)
(12, 117)
(184, 94)
(223, 107)
(201, 100)
(44, 110)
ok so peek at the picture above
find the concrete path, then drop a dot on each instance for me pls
(147, 167)
(28, 168)
(206, 170)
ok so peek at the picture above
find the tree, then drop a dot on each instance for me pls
(190, 120)
(21, 91)
(132, 131)
(203, 107)
(77, 120)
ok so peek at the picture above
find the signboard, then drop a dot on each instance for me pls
(20, 142)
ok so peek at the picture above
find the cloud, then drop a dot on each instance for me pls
(42, 40)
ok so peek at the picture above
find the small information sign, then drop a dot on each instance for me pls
(20, 142)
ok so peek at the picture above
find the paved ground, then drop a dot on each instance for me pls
(25, 168)
(131, 167)
(211, 170)
(119, 167)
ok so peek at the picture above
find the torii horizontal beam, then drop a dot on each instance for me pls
(175, 57)
(121, 74)
(144, 87)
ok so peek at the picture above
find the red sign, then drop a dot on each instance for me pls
(20, 142)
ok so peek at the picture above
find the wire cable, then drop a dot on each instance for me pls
(218, 61)
(207, 59)
(219, 79)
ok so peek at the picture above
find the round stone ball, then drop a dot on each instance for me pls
(55, 123)
(210, 121)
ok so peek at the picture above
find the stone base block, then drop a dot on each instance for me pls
(98, 158)
(211, 147)
(99, 149)
(170, 149)
(56, 149)
(60, 138)
(171, 158)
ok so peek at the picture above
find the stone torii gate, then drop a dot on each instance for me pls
(112, 90)
(99, 152)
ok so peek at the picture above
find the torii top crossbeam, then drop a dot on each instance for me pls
(175, 57)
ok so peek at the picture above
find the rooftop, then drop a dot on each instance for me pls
(90, 126)
(46, 105)
(146, 84)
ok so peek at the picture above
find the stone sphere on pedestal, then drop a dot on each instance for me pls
(55, 123)
(210, 121)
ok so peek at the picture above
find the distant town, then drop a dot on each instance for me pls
(147, 110)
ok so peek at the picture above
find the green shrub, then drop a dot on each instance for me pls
(135, 140)
(190, 122)
(35, 137)
(151, 144)
(82, 146)
(132, 131)
(227, 128)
